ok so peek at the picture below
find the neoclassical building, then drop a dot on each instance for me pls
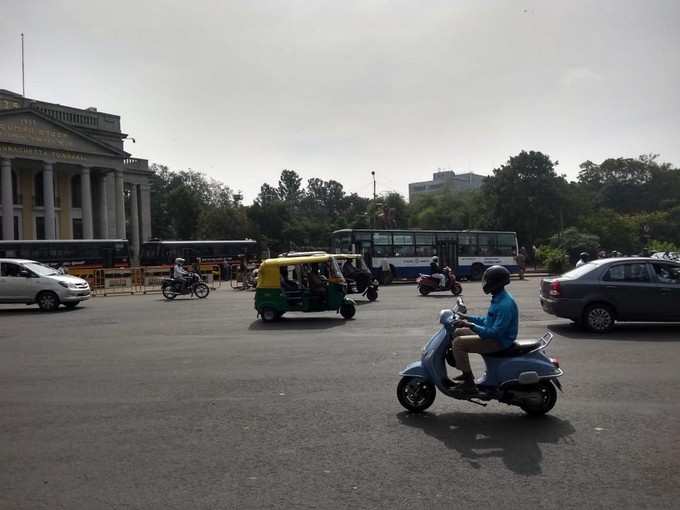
(65, 175)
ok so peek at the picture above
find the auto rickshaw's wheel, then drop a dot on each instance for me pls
(423, 290)
(269, 314)
(415, 394)
(372, 294)
(456, 289)
(347, 310)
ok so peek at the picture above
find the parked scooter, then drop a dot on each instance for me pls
(427, 283)
(192, 285)
(521, 375)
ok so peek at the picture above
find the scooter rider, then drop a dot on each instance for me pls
(584, 257)
(436, 271)
(495, 332)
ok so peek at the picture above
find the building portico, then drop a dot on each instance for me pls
(64, 175)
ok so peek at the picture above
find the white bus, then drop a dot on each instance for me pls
(406, 253)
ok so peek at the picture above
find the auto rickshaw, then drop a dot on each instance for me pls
(311, 283)
(360, 279)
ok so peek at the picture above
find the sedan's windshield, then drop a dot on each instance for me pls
(40, 269)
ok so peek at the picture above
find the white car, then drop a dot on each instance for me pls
(28, 281)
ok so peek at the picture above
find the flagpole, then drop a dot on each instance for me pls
(23, 80)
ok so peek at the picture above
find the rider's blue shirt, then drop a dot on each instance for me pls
(500, 322)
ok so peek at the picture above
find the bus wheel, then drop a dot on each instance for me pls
(476, 271)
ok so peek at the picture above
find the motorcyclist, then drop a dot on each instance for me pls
(482, 335)
(436, 271)
(583, 258)
(179, 273)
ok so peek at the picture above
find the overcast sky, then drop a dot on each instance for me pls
(334, 89)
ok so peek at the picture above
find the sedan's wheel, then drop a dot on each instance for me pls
(415, 394)
(269, 314)
(547, 401)
(598, 318)
(201, 290)
(168, 292)
(48, 301)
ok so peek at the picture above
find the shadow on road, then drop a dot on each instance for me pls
(34, 310)
(293, 323)
(477, 436)
(627, 331)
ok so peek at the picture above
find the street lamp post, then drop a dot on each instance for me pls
(375, 202)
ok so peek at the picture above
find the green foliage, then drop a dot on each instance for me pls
(554, 259)
(525, 195)
(573, 242)
(654, 246)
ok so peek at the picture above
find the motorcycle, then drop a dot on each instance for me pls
(192, 285)
(521, 375)
(428, 283)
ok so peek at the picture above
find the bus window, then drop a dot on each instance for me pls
(425, 239)
(404, 250)
(382, 251)
(424, 251)
(506, 245)
(382, 239)
(403, 239)
(362, 236)
(467, 244)
(487, 245)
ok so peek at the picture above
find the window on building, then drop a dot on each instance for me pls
(40, 227)
(77, 225)
(76, 196)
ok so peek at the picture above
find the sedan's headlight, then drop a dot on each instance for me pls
(63, 284)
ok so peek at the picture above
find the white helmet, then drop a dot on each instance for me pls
(435, 259)
(180, 261)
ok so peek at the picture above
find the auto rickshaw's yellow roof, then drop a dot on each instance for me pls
(293, 261)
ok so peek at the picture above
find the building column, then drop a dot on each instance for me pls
(134, 222)
(7, 200)
(146, 211)
(48, 194)
(120, 205)
(103, 207)
(86, 203)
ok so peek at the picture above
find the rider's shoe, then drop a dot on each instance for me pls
(467, 386)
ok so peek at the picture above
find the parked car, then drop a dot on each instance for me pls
(28, 281)
(601, 292)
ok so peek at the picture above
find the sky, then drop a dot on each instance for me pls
(241, 90)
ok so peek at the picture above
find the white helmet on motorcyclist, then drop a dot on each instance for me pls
(180, 261)
(435, 259)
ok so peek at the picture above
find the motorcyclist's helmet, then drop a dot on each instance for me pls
(180, 261)
(584, 256)
(494, 279)
(435, 259)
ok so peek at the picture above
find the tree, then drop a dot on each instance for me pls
(525, 195)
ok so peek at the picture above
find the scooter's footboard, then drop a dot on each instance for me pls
(414, 369)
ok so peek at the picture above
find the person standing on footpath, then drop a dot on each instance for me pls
(521, 259)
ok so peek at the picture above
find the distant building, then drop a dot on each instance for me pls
(65, 175)
(443, 179)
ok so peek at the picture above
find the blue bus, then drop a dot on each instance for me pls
(403, 254)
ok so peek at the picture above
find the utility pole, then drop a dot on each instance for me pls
(375, 202)
(23, 81)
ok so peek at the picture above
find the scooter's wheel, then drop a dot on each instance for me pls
(547, 402)
(168, 292)
(424, 290)
(456, 289)
(372, 294)
(415, 394)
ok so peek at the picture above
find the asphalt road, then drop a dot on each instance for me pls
(138, 403)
